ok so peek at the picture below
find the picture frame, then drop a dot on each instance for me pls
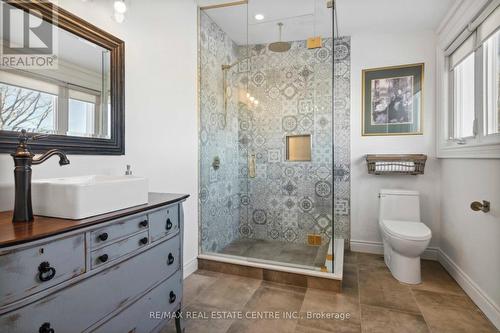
(392, 99)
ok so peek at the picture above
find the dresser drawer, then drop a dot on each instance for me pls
(163, 222)
(164, 298)
(114, 251)
(76, 308)
(31, 270)
(112, 232)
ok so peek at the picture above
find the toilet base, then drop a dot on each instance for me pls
(404, 269)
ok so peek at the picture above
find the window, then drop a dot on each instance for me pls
(82, 113)
(491, 70)
(27, 103)
(473, 83)
(38, 105)
(81, 117)
(463, 98)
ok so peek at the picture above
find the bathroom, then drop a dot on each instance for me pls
(263, 129)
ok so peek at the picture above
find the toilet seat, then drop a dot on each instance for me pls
(407, 230)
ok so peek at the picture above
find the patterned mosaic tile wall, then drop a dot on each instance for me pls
(342, 139)
(287, 200)
(219, 190)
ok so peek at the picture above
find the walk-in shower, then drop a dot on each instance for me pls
(274, 157)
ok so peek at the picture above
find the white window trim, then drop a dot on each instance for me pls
(480, 146)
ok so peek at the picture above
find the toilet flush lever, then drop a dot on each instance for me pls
(478, 206)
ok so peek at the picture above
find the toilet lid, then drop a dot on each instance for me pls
(407, 230)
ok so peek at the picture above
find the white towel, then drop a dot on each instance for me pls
(394, 166)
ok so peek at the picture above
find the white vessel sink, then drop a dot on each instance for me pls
(85, 196)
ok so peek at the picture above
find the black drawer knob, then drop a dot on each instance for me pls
(144, 241)
(172, 297)
(169, 224)
(170, 259)
(144, 223)
(103, 236)
(45, 328)
(45, 272)
(103, 258)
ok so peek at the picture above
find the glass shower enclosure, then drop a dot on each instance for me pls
(273, 170)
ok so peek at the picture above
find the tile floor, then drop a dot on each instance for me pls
(374, 300)
(290, 253)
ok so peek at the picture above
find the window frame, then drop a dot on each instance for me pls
(481, 145)
(486, 80)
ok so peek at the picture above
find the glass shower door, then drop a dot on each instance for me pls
(286, 131)
(273, 159)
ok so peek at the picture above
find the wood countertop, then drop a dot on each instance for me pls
(42, 227)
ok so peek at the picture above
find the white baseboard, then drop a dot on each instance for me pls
(431, 253)
(190, 267)
(489, 308)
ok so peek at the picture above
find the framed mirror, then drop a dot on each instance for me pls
(60, 76)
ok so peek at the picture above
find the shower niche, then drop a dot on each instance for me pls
(266, 110)
(298, 148)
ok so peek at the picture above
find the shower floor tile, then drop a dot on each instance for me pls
(290, 253)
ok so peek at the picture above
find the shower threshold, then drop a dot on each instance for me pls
(275, 271)
(291, 254)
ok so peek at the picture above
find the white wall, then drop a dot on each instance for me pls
(471, 240)
(372, 50)
(161, 119)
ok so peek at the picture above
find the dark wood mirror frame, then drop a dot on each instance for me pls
(71, 144)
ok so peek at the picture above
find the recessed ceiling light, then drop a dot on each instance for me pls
(120, 6)
(259, 17)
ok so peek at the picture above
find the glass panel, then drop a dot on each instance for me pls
(223, 184)
(291, 202)
(81, 118)
(263, 85)
(463, 98)
(24, 108)
(492, 83)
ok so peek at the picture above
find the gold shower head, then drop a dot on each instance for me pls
(279, 46)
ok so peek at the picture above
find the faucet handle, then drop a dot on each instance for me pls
(22, 148)
(23, 137)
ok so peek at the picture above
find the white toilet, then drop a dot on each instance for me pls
(405, 236)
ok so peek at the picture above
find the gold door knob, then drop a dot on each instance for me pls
(478, 206)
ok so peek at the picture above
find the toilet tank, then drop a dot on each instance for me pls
(400, 205)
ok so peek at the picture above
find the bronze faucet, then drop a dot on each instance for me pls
(23, 160)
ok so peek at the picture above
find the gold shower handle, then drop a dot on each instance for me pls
(252, 172)
(478, 206)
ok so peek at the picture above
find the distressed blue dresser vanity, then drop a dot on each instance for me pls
(109, 273)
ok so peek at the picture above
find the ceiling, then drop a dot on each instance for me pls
(307, 18)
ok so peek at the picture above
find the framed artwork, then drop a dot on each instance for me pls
(392, 100)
